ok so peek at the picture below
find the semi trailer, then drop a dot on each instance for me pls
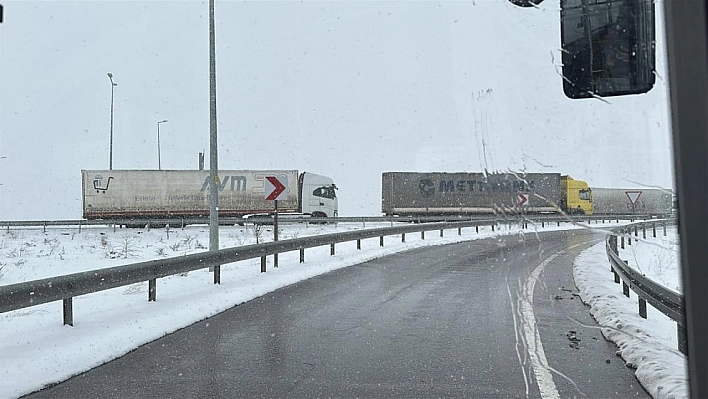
(142, 194)
(440, 193)
(645, 201)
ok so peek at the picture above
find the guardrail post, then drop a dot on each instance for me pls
(559, 223)
(114, 227)
(459, 231)
(441, 232)
(302, 255)
(381, 241)
(664, 229)
(263, 264)
(653, 230)
(617, 276)
(68, 312)
(681, 335)
(625, 287)
(644, 231)
(492, 227)
(642, 308)
(403, 237)
(422, 235)
(331, 249)
(79, 226)
(152, 290)
(636, 234)
(44, 227)
(543, 224)
(217, 274)
(358, 244)
(275, 260)
(622, 239)
(476, 229)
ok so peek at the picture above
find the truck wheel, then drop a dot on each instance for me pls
(318, 214)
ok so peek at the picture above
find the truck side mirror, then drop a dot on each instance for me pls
(608, 47)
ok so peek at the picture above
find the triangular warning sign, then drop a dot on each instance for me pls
(633, 196)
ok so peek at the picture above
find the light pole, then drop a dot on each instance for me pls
(213, 153)
(110, 159)
(159, 165)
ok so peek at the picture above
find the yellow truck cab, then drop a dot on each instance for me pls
(577, 196)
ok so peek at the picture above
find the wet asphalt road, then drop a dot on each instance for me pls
(435, 322)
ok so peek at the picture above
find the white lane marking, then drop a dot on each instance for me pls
(539, 363)
(517, 334)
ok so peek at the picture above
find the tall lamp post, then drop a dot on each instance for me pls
(213, 153)
(159, 165)
(110, 159)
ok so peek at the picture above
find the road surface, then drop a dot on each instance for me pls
(493, 318)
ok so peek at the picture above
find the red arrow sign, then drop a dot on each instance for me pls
(522, 199)
(278, 188)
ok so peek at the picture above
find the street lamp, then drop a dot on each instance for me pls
(110, 159)
(159, 165)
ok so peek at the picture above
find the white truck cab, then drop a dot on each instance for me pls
(318, 195)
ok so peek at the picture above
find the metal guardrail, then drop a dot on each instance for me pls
(665, 300)
(290, 219)
(32, 293)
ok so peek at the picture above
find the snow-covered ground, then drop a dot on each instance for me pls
(35, 349)
(656, 257)
(649, 344)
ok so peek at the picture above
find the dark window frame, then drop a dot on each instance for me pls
(687, 49)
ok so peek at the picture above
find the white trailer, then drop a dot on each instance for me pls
(111, 194)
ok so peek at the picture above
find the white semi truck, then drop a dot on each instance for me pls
(143, 194)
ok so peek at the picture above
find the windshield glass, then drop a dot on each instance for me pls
(585, 195)
(408, 112)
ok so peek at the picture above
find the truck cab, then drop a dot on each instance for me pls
(576, 197)
(318, 195)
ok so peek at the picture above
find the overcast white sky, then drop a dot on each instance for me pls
(346, 89)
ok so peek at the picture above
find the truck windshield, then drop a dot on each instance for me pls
(586, 195)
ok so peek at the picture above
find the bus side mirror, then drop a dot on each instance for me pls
(525, 3)
(608, 47)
